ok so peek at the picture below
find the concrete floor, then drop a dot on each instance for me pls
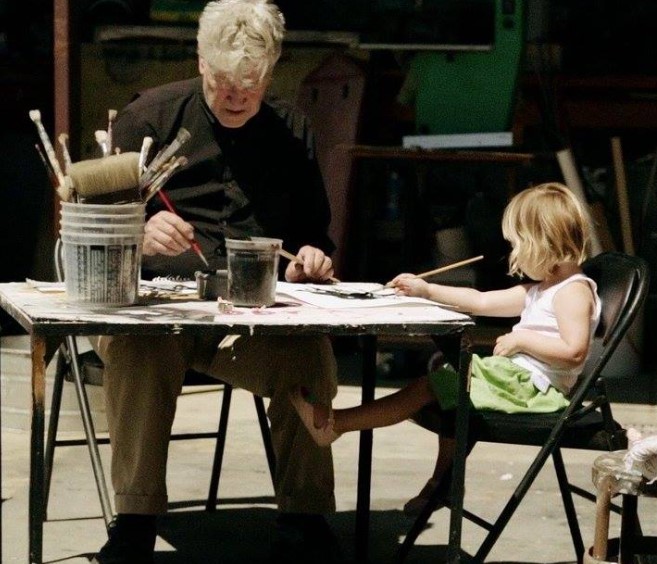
(239, 531)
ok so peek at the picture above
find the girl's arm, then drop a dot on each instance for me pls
(497, 303)
(573, 307)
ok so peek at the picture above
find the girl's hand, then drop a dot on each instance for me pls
(409, 285)
(508, 344)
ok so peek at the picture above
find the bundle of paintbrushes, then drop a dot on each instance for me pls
(115, 178)
(163, 165)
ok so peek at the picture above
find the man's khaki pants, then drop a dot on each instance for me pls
(144, 376)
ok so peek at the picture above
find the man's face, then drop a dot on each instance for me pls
(232, 105)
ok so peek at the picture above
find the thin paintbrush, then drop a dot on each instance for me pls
(169, 205)
(63, 191)
(35, 116)
(143, 153)
(443, 268)
(289, 256)
(101, 139)
(111, 116)
(48, 167)
(63, 141)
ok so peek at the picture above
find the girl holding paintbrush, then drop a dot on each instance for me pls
(533, 367)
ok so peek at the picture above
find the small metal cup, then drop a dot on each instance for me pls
(211, 284)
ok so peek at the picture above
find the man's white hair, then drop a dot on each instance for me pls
(241, 39)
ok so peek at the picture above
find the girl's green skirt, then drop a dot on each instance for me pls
(497, 384)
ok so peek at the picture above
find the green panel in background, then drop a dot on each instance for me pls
(471, 92)
(176, 11)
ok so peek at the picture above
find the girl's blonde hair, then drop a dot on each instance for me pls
(546, 225)
(241, 39)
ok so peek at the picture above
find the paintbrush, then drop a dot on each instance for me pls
(143, 153)
(169, 205)
(35, 116)
(111, 116)
(63, 141)
(64, 191)
(165, 154)
(101, 139)
(442, 269)
(49, 170)
(293, 258)
(166, 172)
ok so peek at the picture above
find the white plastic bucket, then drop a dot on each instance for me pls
(253, 270)
(103, 209)
(102, 254)
(91, 218)
(75, 228)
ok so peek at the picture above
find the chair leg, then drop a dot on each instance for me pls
(266, 436)
(511, 505)
(568, 504)
(90, 433)
(211, 503)
(629, 522)
(63, 364)
(436, 497)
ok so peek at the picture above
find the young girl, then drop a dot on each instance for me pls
(534, 367)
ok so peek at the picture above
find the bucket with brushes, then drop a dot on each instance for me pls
(102, 250)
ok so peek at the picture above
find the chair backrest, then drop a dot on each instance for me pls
(623, 282)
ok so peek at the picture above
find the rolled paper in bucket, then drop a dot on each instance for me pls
(253, 270)
(102, 260)
(112, 179)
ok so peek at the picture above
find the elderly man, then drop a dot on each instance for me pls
(250, 171)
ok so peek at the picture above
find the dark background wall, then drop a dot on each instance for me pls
(588, 38)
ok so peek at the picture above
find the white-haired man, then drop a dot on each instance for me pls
(251, 171)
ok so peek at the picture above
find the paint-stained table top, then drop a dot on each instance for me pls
(50, 314)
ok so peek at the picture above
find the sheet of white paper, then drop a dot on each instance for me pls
(182, 287)
(187, 287)
(43, 286)
(347, 295)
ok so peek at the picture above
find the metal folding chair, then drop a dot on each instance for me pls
(587, 423)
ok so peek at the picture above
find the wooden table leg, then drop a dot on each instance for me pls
(461, 452)
(365, 454)
(36, 495)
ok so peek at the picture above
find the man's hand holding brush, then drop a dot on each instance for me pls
(309, 265)
(166, 233)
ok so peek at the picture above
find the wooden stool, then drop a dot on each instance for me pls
(611, 478)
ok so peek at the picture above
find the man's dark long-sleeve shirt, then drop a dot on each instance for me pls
(261, 179)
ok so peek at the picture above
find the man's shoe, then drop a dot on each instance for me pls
(131, 541)
(301, 538)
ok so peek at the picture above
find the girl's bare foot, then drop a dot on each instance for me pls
(415, 505)
(322, 434)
